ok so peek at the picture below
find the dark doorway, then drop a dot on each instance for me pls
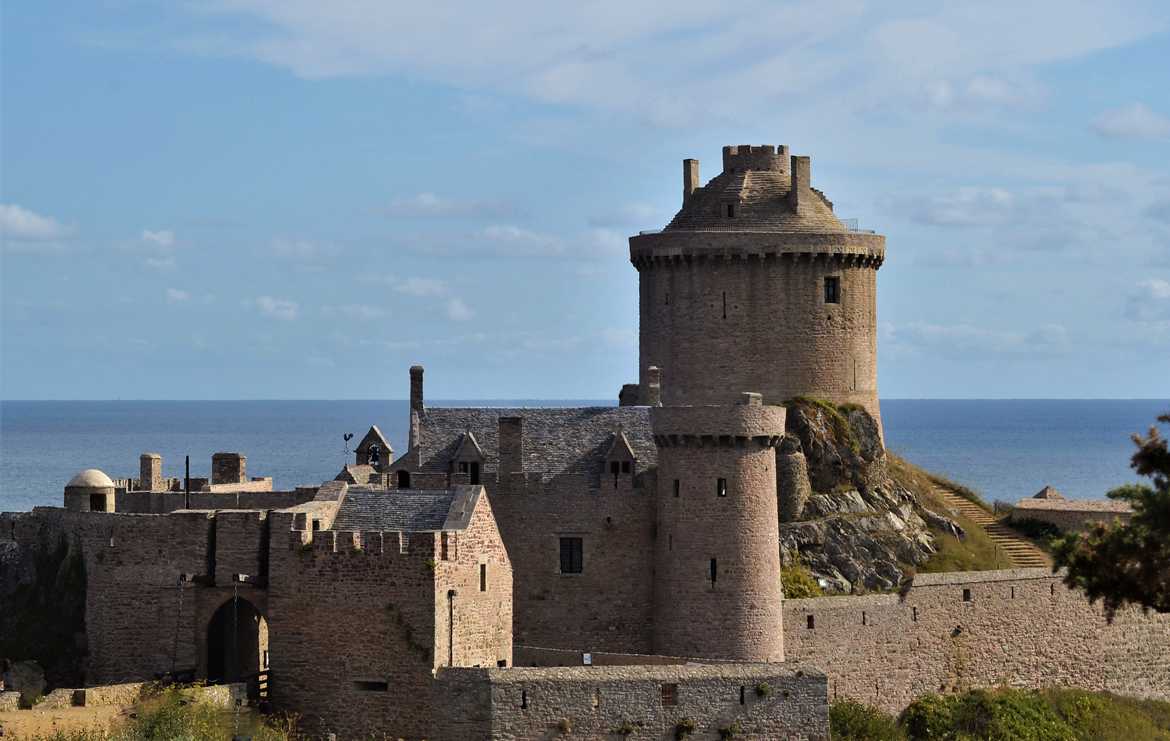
(237, 642)
(97, 502)
(403, 479)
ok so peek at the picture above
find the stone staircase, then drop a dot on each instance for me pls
(1014, 548)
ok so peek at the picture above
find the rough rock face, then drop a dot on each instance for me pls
(859, 529)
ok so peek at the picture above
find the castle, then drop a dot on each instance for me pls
(584, 572)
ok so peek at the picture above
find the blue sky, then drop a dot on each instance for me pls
(294, 199)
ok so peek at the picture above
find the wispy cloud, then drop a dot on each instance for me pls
(363, 312)
(277, 308)
(459, 311)
(21, 228)
(1135, 121)
(302, 250)
(1149, 301)
(161, 238)
(421, 287)
(968, 206)
(431, 205)
(960, 337)
(177, 296)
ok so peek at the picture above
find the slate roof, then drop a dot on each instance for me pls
(356, 473)
(405, 509)
(557, 440)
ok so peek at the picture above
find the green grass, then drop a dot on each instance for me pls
(1009, 715)
(170, 713)
(975, 551)
(842, 431)
(798, 582)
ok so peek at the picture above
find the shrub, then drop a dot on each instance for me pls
(853, 721)
(625, 729)
(565, 726)
(730, 731)
(798, 582)
(763, 689)
(684, 728)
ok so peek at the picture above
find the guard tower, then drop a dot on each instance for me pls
(756, 284)
(717, 554)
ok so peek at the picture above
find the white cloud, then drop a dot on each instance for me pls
(277, 308)
(968, 206)
(458, 311)
(19, 225)
(1149, 301)
(302, 250)
(177, 296)
(429, 204)
(363, 312)
(420, 287)
(1135, 121)
(166, 262)
(1045, 339)
(607, 55)
(162, 238)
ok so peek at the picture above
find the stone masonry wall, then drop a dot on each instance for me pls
(530, 703)
(1020, 628)
(481, 633)
(351, 628)
(1072, 516)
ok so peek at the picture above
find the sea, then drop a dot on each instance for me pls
(1004, 449)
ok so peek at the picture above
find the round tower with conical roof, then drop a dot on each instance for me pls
(756, 284)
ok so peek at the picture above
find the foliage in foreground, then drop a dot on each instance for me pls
(172, 714)
(798, 582)
(1008, 715)
(1128, 564)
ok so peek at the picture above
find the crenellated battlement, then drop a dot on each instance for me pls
(755, 157)
(387, 543)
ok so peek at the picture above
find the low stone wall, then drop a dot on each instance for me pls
(536, 656)
(950, 632)
(110, 694)
(1071, 515)
(9, 701)
(759, 701)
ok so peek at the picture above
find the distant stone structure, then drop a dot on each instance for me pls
(535, 573)
(1049, 505)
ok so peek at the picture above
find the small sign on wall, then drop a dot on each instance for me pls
(587, 659)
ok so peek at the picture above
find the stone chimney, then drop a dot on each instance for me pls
(690, 178)
(150, 476)
(652, 393)
(800, 193)
(229, 468)
(416, 405)
(511, 440)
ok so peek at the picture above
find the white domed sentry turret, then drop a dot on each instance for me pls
(90, 490)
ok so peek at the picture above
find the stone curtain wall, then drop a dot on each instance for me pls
(1020, 628)
(482, 619)
(351, 629)
(530, 703)
(158, 502)
(608, 606)
(1071, 516)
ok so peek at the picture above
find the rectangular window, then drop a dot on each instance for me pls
(443, 541)
(483, 577)
(676, 487)
(625, 466)
(97, 502)
(614, 467)
(714, 571)
(474, 472)
(812, 622)
(572, 551)
(721, 487)
(366, 685)
(464, 467)
(731, 210)
(670, 694)
(832, 290)
(966, 595)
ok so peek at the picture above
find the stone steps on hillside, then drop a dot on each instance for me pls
(1019, 550)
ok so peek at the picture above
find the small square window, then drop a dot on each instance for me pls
(625, 466)
(670, 694)
(464, 467)
(572, 551)
(966, 595)
(721, 487)
(832, 290)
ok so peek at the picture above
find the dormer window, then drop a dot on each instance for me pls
(620, 460)
(468, 458)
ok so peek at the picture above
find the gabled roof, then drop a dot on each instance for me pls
(406, 510)
(468, 448)
(355, 473)
(1048, 492)
(374, 436)
(619, 449)
(557, 440)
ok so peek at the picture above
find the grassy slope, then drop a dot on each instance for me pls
(1002, 714)
(975, 551)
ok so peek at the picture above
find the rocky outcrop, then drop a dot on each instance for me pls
(851, 524)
